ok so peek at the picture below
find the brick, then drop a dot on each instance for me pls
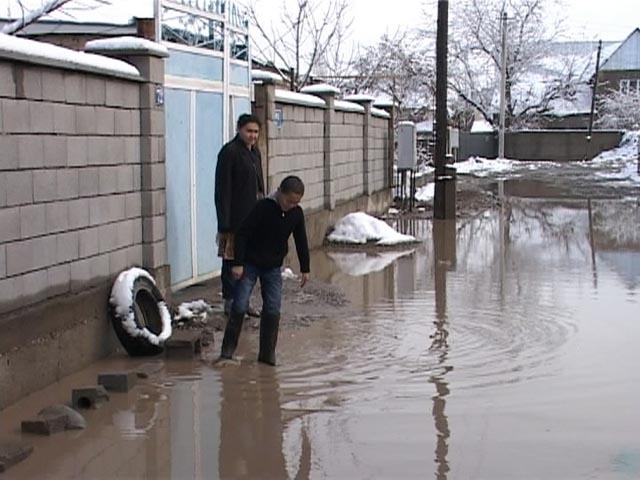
(12, 453)
(154, 229)
(34, 285)
(44, 185)
(32, 83)
(53, 86)
(9, 149)
(64, 118)
(78, 213)
(19, 188)
(153, 176)
(117, 381)
(30, 151)
(89, 242)
(57, 216)
(3, 261)
(32, 221)
(133, 205)
(55, 151)
(105, 120)
(146, 370)
(86, 120)
(108, 180)
(108, 237)
(41, 117)
(67, 183)
(89, 397)
(117, 262)
(59, 279)
(67, 247)
(74, 88)
(88, 182)
(10, 222)
(184, 344)
(15, 116)
(7, 82)
(96, 90)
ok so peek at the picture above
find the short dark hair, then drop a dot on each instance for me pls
(292, 184)
(247, 118)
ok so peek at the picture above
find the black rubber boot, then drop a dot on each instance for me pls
(269, 324)
(231, 335)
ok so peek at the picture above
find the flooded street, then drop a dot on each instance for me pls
(504, 346)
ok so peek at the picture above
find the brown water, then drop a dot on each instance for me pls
(505, 346)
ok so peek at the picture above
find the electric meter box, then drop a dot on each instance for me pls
(407, 146)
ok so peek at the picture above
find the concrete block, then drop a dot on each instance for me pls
(96, 90)
(105, 120)
(154, 229)
(124, 122)
(67, 247)
(67, 181)
(133, 205)
(86, 120)
(135, 122)
(115, 93)
(108, 180)
(152, 122)
(80, 274)
(132, 150)
(12, 453)
(34, 285)
(7, 82)
(117, 381)
(137, 234)
(137, 177)
(10, 221)
(89, 242)
(100, 267)
(126, 232)
(15, 116)
(77, 153)
(131, 94)
(31, 83)
(59, 279)
(147, 370)
(108, 237)
(153, 203)
(9, 149)
(74, 88)
(98, 210)
(88, 182)
(153, 176)
(89, 397)
(19, 187)
(154, 255)
(64, 118)
(41, 117)
(116, 208)
(3, 261)
(30, 151)
(99, 151)
(116, 151)
(184, 344)
(117, 261)
(134, 255)
(53, 86)
(126, 178)
(33, 220)
(78, 213)
(55, 151)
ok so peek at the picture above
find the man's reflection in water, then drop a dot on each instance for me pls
(251, 424)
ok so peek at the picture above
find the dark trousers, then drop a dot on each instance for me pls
(228, 282)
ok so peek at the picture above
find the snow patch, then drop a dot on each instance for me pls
(196, 311)
(41, 53)
(260, 75)
(133, 44)
(360, 228)
(623, 160)
(377, 112)
(295, 98)
(359, 264)
(287, 274)
(320, 89)
(122, 301)
(426, 193)
(481, 126)
(482, 167)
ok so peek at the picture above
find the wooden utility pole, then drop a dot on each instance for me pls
(503, 86)
(593, 102)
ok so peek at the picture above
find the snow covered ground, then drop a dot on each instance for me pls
(425, 194)
(359, 228)
(621, 162)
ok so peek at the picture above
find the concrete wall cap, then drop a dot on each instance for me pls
(295, 98)
(348, 106)
(321, 89)
(266, 76)
(360, 98)
(127, 46)
(384, 103)
(40, 53)
(380, 113)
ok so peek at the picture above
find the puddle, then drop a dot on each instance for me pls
(504, 346)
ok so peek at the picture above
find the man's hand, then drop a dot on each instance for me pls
(237, 272)
(304, 278)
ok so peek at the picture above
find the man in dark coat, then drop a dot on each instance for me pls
(239, 185)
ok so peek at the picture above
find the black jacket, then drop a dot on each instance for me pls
(239, 182)
(263, 238)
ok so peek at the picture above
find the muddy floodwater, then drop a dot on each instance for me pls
(504, 346)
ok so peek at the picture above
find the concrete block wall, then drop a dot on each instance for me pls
(70, 180)
(378, 148)
(348, 155)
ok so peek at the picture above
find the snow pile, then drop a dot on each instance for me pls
(122, 301)
(359, 264)
(360, 228)
(623, 160)
(481, 126)
(483, 167)
(425, 194)
(287, 274)
(196, 311)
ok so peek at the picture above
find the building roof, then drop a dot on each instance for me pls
(626, 56)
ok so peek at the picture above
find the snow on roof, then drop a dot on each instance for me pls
(127, 44)
(320, 88)
(423, 127)
(348, 106)
(377, 112)
(481, 126)
(41, 53)
(360, 228)
(295, 98)
(261, 75)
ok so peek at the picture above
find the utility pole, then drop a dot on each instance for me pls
(503, 86)
(593, 101)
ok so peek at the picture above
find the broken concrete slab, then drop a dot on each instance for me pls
(12, 452)
(89, 397)
(184, 343)
(117, 381)
(147, 369)
(46, 424)
(75, 420)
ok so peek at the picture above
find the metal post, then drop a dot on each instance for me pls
(593, 101)
(503, 86)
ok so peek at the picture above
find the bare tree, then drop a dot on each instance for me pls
(306, 37)
(619, 109)
(31, 12)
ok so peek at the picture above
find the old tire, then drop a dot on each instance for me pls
(139, 318)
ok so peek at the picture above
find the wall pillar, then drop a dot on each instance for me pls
(264, 107)
(389, 107)
(367, 102)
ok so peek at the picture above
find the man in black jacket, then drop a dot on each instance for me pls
(260, 248)
(239, 185)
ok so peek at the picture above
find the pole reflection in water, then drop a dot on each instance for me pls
(444, 248)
